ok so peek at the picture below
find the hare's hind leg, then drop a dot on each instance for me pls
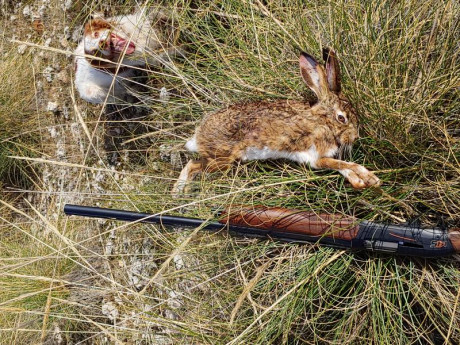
(358, 175)
(192, 168)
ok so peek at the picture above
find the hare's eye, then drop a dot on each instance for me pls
(341, 118)
(96, 34)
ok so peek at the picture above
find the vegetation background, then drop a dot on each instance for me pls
(78, 281)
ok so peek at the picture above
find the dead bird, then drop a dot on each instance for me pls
(113, 50)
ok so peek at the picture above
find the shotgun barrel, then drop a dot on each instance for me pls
(298, 226)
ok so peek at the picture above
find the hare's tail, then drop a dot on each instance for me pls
(191, 145)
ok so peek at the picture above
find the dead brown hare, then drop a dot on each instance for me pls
(287, 129)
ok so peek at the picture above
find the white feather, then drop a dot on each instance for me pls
(93, 84)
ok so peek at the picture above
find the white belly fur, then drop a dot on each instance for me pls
(309, 156)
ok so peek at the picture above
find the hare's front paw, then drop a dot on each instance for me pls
(360, 177)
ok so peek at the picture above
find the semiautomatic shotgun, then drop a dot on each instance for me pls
(332, 230)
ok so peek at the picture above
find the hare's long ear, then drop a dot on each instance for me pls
(313, 75)
(332, 70)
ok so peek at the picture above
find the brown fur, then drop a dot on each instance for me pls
(282, 125)
(289, 126)
(332, 70)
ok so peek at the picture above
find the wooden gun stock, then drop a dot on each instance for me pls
(293, 221)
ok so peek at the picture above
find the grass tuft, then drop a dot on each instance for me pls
(16, 108)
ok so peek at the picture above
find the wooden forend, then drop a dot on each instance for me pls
(293, 221)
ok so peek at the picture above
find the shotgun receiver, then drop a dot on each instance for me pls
(338, 231)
